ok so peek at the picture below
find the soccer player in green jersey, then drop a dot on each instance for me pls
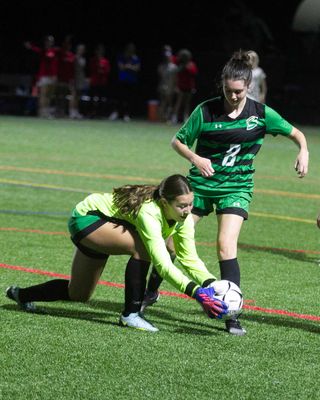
(134, 220)
(228, 132)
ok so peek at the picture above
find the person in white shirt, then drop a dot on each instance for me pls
(258, 87)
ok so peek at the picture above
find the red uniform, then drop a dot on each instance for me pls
(66, 60)
(186, 81)
(99, 69)
(48, 62)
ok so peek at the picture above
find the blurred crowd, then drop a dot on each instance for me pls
(70, 84)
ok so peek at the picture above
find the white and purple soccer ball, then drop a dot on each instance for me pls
(231, 294)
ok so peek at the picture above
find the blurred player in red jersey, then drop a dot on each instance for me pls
(46, 77)
(186, 85)
(65, 93)
(99, 72)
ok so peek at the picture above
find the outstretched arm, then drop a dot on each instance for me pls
(302, 160)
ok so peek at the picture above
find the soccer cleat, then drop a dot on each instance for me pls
(12, 293)
(149, 299)
(135, 320)
(234, 327)
(113, 116)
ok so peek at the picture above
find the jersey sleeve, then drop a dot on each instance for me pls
(149, 227)
(191, 129)
(186, 252)
(275, 124)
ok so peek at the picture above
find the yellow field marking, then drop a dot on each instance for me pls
(142, 179)
(85, 174)
(283, 217)
(284, 178)
(288, 194)
(44, 185)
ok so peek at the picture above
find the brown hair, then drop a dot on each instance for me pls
(238, 67)
(129, 198)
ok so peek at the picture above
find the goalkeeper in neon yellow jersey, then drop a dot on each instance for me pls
(135, 220)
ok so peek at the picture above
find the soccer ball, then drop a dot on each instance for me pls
(231, 294)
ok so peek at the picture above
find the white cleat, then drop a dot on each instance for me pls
(135, 320)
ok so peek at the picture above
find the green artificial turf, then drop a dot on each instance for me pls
(77, 351)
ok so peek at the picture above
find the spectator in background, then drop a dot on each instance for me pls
(65, 90)
(167, 71)
(186, 85)
(99, 73)
(80, 80)
(258, 87)
(129, 65)
(46, 77)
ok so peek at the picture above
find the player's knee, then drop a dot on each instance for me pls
(226, 251)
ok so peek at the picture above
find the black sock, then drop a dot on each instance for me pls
(56, 289)
(135, 284)
(230, 270)
(155, 279)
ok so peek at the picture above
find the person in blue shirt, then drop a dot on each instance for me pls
(129, 65)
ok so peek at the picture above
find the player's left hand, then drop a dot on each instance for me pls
(301, 164)
(212, 306)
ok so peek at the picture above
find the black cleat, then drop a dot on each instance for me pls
(234, 327)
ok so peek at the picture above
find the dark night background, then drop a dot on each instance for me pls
(212, 30)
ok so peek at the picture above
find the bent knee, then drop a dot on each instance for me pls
(227, 251)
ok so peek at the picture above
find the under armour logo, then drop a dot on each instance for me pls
(218, 126)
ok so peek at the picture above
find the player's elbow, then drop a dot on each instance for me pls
(174, 143)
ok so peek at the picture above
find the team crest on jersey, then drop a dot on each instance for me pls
(251, 122)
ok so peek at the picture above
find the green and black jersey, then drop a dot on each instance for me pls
(230, 144)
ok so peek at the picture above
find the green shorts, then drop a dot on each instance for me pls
(82, 225)
(237, 204)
